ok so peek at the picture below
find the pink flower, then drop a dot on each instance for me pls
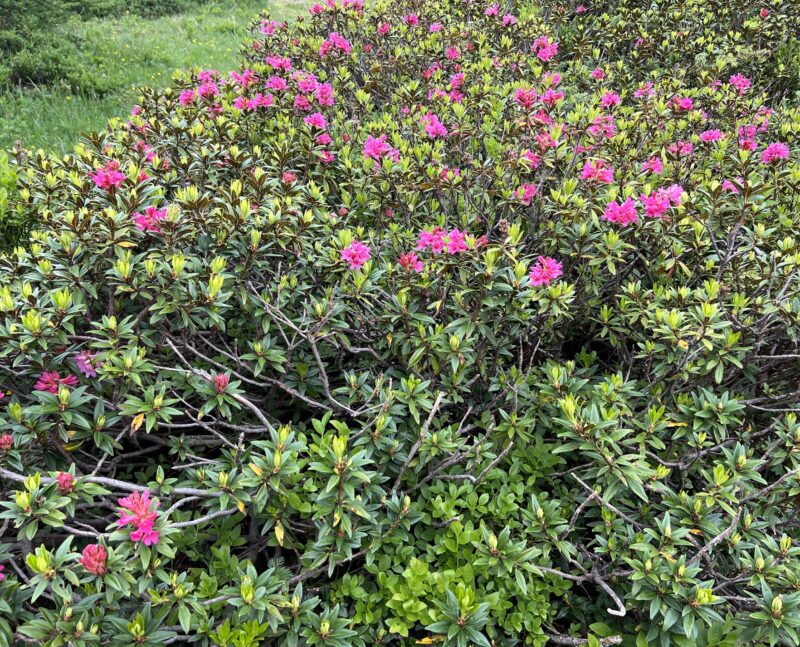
(544, 271)
(711, 135)
(279, 62)
(277, 83)
(289, 178)
(682, 103)
(139, 510)
(509, 19)
(551, 97)
(316, 120)
(456, 242)
(435, 27)
(221, 382)
(433, 127)
(376, 148)
(452, 53)
(598, 73)
(93, 559)
(109, 176)
(544, 48)
(432, 239)
(6, 442)
(493, 9)
(603, 127)
(621, 214)
(525, 193)
(654, 165)
(186, 97)
(658, 203)
(335, 42)
(597, 171)
(85, 363)
(775, 152)
(412, 20)
(384, 28)
(645, 91)
(324, 94)
(410, 262)
(610, 99)
(148, 221)
(580, 9)
(526, 97)
(50, 382)
(531, 158)
(356, 254)
(66, 482)
(740, 82)
(681, 148)
(729, 186)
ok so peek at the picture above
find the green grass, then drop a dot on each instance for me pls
(123, 54)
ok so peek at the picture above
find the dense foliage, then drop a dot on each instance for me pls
(438, 322)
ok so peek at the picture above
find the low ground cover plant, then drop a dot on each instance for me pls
(448, 323)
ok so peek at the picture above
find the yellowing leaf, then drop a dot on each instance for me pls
(137, 422)
(256, 469)
(430, 640)
(240, 505)
(279, 532)
(126, 243)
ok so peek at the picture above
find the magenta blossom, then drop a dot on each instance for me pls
(433, 127)
(775, 152)
(66, 482)
(334, 43)
(316, 120)
(85, 363)
(221, 382)
(525, 193)
(356, 254)
(109, 176)
(621, 214)
(93, 559)
(544, 271)
(139, 510)
(740, 82)
(148, 221)
(376, 148)
(598, 171)
(51, 381)
(544, 48)
(410, 262)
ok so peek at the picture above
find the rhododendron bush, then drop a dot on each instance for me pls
(437, 322)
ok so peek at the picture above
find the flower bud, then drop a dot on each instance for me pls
(93, 559)
(66, 482)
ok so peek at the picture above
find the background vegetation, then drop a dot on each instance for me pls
(67, 67)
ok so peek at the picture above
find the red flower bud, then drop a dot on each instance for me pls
(221, 382)
(65, 481)
(6, 442)
(93, 559)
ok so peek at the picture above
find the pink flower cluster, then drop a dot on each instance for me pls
(655, 205)
(259, 100)
(439, 240)
(433, 127)
(148, 221)
(109, 176)
(93, 559)
(334, 43)
(356, 254)
(377, 148)
(597, 171)
(51, 382)
(775, 152)
(525, 193)
(545, 271)
(139, 510)
(410, 262)
(544, 48)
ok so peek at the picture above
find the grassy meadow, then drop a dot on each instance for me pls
(121, 54)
